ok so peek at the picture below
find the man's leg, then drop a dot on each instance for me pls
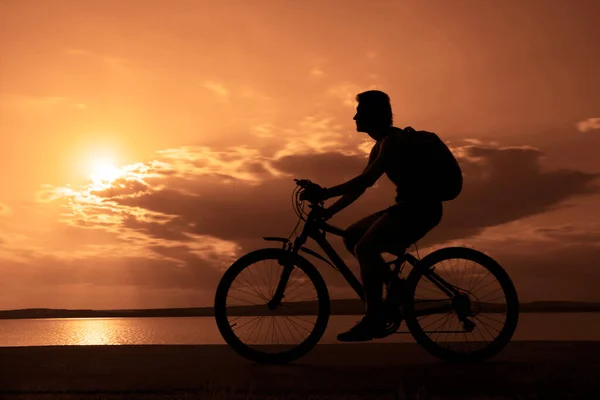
(392, 231)
(374, 240)
(368, 252)
(396, 229)
(356, 231)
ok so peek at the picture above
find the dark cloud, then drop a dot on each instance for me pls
(502, 184)
(122, 187)
(325, 168)
(556, 271)
(229, 211)
(572, 234)
(173, 230)
(177, 268)
(506, 184)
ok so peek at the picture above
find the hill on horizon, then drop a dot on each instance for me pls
(338, 307)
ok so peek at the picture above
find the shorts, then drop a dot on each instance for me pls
(412, 220)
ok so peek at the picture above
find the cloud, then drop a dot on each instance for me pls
(316, 71)
(504, 184)
(346, 93)
(545, 262)
(589, 124)
(319, 134)
(553, 271)
(501, 184)
(32, 102)
(328, 168)
(196, 208)
(570, 233)
(116, 64)
(217, 89)
(238, 194)
(176, 270)
(228, 193)
(46, 103)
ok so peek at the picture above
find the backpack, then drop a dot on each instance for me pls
(437, 167)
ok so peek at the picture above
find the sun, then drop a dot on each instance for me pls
(103, 170)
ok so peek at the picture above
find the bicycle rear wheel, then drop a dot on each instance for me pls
(476, 324)
(243, 312)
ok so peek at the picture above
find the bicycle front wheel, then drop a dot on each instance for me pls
(256, 328)
(474, 323)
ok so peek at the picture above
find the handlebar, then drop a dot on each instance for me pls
(315, 206)
(302, 182)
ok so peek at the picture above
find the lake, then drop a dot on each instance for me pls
(203, 330)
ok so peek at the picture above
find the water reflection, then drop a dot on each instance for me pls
(93, 331)
(203, 330)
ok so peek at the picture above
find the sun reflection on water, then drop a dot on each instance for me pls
(93, 331)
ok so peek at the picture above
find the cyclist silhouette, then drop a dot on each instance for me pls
(404, 156)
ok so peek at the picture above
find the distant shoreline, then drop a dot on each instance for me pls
(338, 307)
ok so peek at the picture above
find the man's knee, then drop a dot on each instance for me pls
(364, 249)
(350, 243)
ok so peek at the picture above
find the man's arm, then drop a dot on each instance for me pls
(344, 202)
(354, 188)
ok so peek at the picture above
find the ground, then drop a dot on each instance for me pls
(526, 370)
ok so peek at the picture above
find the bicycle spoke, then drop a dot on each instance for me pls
(255, 286)
(481, 298)
(246, 301)
(266, 282)
(300, 325)
(289, 330)
(259, 325)
(480, 292)
(280, 331)
(485, 325)
(241, 326)
(293, 325)
(443, 322)
(255, 291)
(254, 325)
(490, 318)
(248, 293)
(256, 279)
(480, 283)
(437, 320)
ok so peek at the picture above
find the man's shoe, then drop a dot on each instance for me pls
(366, 329)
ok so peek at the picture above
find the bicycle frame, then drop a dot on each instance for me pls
(316, 229)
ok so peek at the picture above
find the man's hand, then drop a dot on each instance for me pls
(313, 193)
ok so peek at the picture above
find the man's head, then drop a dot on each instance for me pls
(373, 113)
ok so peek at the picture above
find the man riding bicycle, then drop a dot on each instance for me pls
(411, 160)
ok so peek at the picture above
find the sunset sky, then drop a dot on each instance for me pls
(147, 144)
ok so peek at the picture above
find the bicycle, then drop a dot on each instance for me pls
(400, 301)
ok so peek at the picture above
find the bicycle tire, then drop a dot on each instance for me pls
(512, 305)
(229, 335)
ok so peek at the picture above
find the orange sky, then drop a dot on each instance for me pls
(199, 101)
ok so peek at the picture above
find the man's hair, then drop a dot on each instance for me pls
(378, 104)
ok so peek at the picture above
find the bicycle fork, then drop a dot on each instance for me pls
(288, 268)
(283, 281)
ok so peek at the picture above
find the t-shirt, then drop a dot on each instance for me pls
(411, 171)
